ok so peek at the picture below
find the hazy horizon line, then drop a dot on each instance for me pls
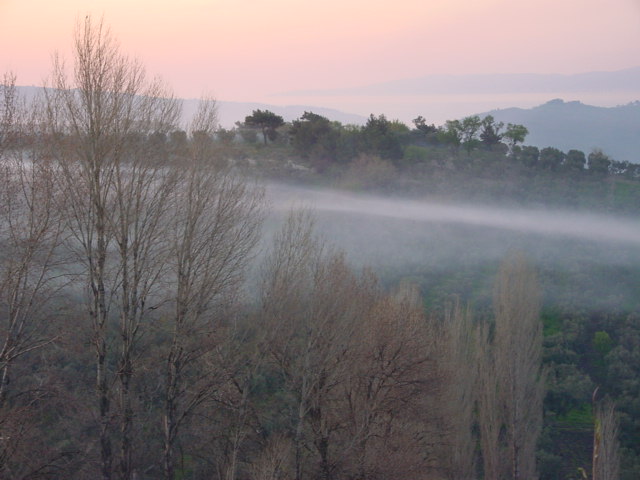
(365, 89)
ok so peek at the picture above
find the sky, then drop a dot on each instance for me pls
(251, 50)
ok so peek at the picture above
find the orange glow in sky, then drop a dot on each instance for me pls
(247, 49)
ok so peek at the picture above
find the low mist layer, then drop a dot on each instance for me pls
(595, 257)
(553, 223)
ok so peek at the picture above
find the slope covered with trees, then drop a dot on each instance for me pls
(567, 125)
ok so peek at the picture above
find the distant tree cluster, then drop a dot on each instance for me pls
(324, 144)
(472, 158)
(268, 123)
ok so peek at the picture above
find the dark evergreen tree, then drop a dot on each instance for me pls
(266, 121)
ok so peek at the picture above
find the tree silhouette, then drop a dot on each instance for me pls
(267, 121)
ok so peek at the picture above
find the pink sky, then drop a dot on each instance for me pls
(247, 49)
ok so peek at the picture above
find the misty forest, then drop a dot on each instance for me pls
(305, 300)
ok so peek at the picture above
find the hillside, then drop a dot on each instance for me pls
(574, 125)
(560, 124)
(425, 211)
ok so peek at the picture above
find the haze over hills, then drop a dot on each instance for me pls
(231, 112)
(562, 124)
(444, 97)
(621, 80)
(574, 125)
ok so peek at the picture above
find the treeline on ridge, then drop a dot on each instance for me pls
(469, 159)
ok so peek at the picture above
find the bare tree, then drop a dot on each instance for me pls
(142, 191)
(9, 105)
(272, 462)
(518, 362)
(115, 199)
(30, 237)
(356, 362)
(393, 375)
(238, 366)
(215, 224)
(606, 454)
(460, 392)
(286, 313)
(490, 411)
(311, 302)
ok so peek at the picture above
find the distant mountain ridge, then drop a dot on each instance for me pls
(231, 112)
(560, 124)
(620, 80)
(574, 125)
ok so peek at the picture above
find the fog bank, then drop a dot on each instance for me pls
(455, 248)
(552, 223)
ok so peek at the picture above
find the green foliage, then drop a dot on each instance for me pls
(469, 128)
(367, 172)
(575, 161)
(266, 121)
(599, 163)
(624, 193)
(201, 137)
(226, 137)
(602, 343)
(551, 158)
(426, 160)
(421, 126)
(580, 417)
(415, 154)
(314, 136)
(491, 134)
(382, 137)
(527, 155)
(248, 135)
(451, 134)
(348, 143)
(549, 465)
(552, 322)
(515, 134)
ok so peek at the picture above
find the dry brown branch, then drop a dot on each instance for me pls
(116, 196)
(30, 236)
(606, 453)
(356, 362)
(511, 375)
(215, 220)
(460, 393)
(272, 463)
